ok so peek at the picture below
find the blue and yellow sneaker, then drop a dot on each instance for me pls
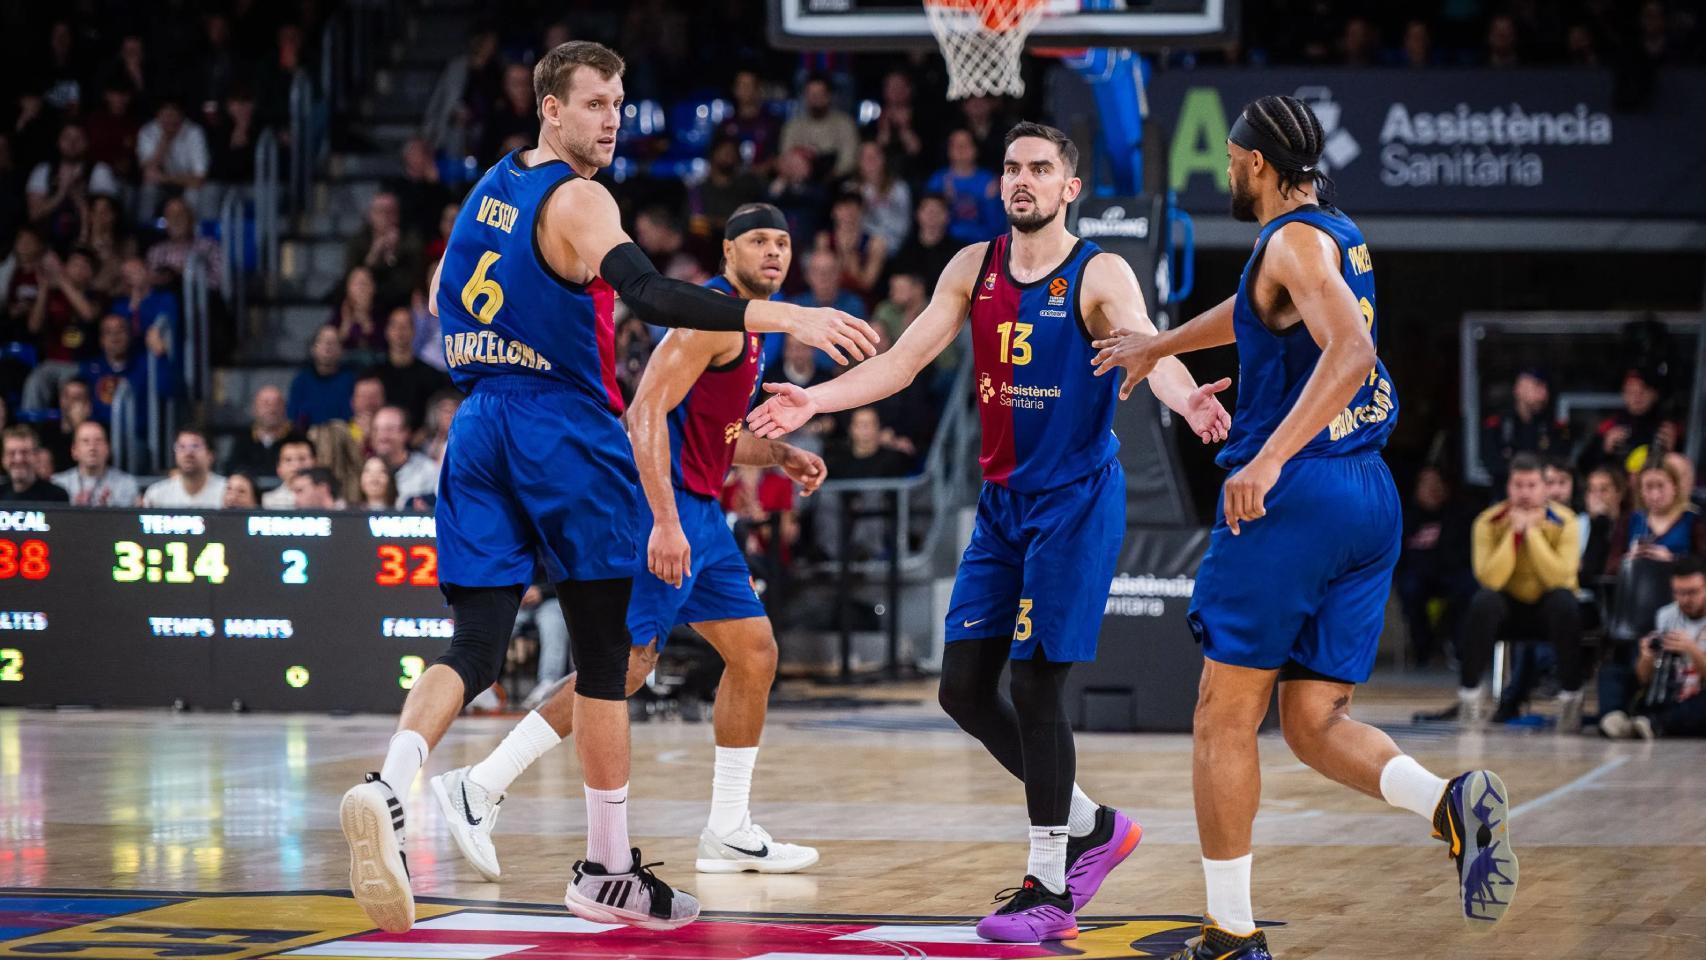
(1218, 944)
(1473, 817)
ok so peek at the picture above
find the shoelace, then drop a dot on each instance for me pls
(1017, 895)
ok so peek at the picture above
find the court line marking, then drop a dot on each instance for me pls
(1564, 790)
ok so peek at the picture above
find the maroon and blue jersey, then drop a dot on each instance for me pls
(1047, 420)
(503, 311)
(706, 424)
(1274, 365)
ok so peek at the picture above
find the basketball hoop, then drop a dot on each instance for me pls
(981, 40)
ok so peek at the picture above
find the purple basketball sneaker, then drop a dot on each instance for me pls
(1031, 915)
(1090, 858)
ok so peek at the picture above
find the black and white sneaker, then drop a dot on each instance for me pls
(372, 820)
(636, 898)
(470, 813)
(750, 849)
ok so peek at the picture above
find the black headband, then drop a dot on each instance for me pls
(1251, 137)
(763, 218)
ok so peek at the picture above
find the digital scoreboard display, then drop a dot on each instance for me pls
(282, 611)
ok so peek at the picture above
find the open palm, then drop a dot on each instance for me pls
(789, 409)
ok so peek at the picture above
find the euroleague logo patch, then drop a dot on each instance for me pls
(100, 926)
(1057, 291)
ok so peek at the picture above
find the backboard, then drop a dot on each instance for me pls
(901, 24)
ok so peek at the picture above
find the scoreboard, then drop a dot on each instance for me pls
(282, 611)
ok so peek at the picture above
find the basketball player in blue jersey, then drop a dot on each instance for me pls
(1034, 580)
(685, 424)
(1294, 585)
(539, 465)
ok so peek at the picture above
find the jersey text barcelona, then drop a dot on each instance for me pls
(502, 310)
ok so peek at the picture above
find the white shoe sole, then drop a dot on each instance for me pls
(595, 912)
(719, 865)
(459, 831)
(376, 874)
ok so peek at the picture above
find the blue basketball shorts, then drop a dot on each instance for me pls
(1039, 566)
(536, 470)
(717, 587)
(1308, 582)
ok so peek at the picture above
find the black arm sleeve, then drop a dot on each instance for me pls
(667, 302)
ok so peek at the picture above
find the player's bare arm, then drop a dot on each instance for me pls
(1113, 304)
(674, 367)
(802, 466)
(1302, 265)
(1137, 353)
(585, 229)
(432, 287)
(884, 375)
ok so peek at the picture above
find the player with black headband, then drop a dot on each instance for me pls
(539, 467)
(1294, 586)
(685, 424)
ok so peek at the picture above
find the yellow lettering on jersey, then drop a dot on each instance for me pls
(1361, 262)
(496, 213)
(485, 346)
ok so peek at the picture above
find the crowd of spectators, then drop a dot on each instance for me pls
(120, 133)
(1577, 519)
(1630, 36)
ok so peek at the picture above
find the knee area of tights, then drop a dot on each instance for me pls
(474, 665)
(602, 674)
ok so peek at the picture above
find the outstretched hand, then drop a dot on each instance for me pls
(832, 331)
(1125, 349)
(789, 409)
(1204, 412)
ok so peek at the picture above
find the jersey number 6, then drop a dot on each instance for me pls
(479, 285)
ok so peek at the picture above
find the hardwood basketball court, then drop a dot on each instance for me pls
(917, 826)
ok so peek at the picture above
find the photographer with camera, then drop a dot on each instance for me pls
(1664, 692)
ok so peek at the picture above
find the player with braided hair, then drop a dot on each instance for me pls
(1294, 585)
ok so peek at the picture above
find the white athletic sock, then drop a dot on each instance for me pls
(607, 829)
(1229, 895)
(403, 760)
(524, 744)
(1408, 785)
(1048, 857)
(1082, 819)
(731, 789)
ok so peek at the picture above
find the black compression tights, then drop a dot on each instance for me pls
(1030, 736)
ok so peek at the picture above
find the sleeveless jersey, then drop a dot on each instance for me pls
(503, 311)
(1273, 367)
(705, 425)
(1047, 421)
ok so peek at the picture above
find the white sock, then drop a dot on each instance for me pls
(731, 789)
(1048, 857)
(1082, 819)
(1472, 693)
(403, 761)
(525, 744)
(1408, 785)
(607, 829)
(1229, 895)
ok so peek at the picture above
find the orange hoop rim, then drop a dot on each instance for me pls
(999, 16)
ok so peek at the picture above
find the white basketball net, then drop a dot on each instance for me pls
(981, 40)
